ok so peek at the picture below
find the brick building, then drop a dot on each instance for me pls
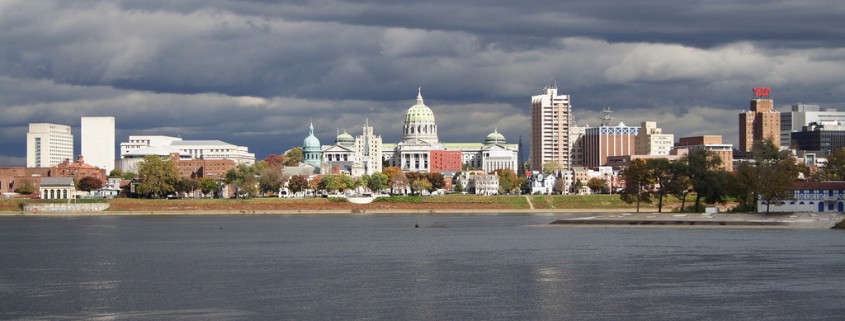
(445, 160)
(759, 123)
(202, 168)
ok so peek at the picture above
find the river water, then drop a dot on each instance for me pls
(365, 267)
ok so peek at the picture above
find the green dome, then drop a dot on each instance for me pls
(311, 142)
(419, 112)
(344, 139)
(495, 138)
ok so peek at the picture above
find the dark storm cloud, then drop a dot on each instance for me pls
(255, 72)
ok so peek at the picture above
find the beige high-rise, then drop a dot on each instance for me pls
(551, 118)
(761, 122)
(47, 144)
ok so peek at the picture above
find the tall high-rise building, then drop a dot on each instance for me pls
(761, 122)
(98, 141)
(47, 144)
(551, 118)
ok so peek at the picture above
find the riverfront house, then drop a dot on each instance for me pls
(810, 197)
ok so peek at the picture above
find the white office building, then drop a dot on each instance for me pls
(133, 152)
(803, 115)
(47, 144)
(98, 141)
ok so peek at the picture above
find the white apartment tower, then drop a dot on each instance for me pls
(98, 141)
(47, 144)
(551, 119)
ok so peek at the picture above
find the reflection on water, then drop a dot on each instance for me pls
(490, 267)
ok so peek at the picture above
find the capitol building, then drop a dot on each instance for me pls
(419, 150)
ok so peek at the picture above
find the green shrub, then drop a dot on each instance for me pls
(399, 199)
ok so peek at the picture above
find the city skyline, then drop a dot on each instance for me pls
(185, 70)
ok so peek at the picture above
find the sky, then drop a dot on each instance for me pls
(254, 73)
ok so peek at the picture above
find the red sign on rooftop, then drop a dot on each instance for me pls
(762, 91)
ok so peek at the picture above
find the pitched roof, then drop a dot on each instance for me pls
(57, 181)
(827, 185)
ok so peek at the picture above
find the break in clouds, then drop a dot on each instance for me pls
(255, 72)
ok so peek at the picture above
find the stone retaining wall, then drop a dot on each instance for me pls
(63, 207)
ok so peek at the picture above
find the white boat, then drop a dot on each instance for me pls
(360, 199)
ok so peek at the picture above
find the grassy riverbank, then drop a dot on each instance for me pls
(433, 203)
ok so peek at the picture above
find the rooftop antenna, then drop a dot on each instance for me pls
(605, 120)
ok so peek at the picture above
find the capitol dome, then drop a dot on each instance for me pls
(344, 139)
(419, 123)
(419, 112)
(495, 138)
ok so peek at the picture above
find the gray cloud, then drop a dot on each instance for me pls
(255, 72)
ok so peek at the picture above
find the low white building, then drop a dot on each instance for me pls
(542, 184)
(485, 184)
(810, 197)
(134, 151)
(53, 188)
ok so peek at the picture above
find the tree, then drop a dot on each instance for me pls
(158, 177)
(507, 181)
(661, 171)
(377, 182)
(744, 184)
(293, 157)
(578, 185)
(420, 184)
(26, 187)
(679, 184)
(272, 180)
(437, 180)
(777, 171)
(835, 168)
(89, 183)
(392, 171)
(298, 183)
(117, 173)
(362, 181)
(707, 180)
(314, 183)
(559, 186)
(398, 182)
(552, 167)
(459, 187)
(336, 183)
(597, 185)
(188, 185)
(638, 183)
(207, 185)
(242, 178)
(274, 160)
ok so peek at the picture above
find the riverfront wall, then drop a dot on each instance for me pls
(67, 208)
